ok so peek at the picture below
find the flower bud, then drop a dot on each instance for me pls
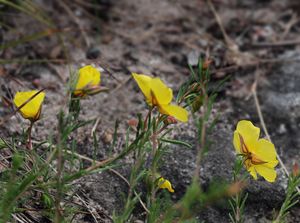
(170, 120)
(295, 171)
(29, 104)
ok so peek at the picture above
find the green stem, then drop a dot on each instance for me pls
(147, 116)
(58, 214)
(153, 167)
(201, 142)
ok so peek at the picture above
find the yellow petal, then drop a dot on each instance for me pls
(236, 142)
(88, 76)
(143, 82)
(162, 93)
(165, 184)
(268, 173)
(176, 111)
(252, 171)
(33, 108)
(264, 150)
(271, 164)
(249, 133)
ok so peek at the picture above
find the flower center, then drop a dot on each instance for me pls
(153, 99)
(249, 158)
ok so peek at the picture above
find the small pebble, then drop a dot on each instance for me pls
(282, 129)
(93, 53)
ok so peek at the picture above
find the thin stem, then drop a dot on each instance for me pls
(58, 214)
(192, 88)
(237, 201)
(29, 142)
(219, 21)
(201, 140)
(162, 129)
(261, 119)
(153, 166)
(147, 116)
(130, 188)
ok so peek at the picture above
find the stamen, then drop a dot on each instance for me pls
(243, 145)
(257, 161)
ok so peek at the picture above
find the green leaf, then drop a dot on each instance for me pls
(12, 194)
(2, 144)
(17, 161)
(47, 200)
(197, 103)
(177, 142)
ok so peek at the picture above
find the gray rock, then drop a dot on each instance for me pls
(281, 99)
(284, 105)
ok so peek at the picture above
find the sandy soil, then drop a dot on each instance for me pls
(160, 38)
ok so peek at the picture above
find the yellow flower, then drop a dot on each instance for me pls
(165, 184)
(88, 81)
(32, 109)
(259, 154)
(158, 94)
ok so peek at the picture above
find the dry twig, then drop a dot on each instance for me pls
(98, 120)
(100, 163)
(263, 124)
(76, 20)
